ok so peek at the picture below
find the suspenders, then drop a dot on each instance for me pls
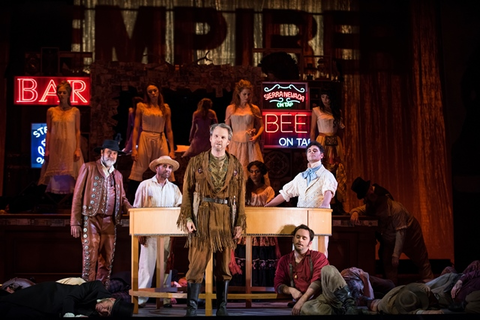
(290, 266)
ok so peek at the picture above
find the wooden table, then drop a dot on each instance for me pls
(261, 221)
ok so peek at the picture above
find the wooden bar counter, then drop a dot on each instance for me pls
(261, 221)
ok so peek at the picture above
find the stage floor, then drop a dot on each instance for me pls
(274, 309)
(271, 309)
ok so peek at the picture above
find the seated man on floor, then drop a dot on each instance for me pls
(317, 287)
(53, 299)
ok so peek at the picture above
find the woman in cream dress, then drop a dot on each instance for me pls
(245, 119)
(325, 124)
(63, 156)
(153, 131)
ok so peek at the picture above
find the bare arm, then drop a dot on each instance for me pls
(279, 199)
(77, 153)
(259, 125)
(169, 132)
(327, 197)
(136, 129)
(313, 127)
(228, 114)
(47, 138)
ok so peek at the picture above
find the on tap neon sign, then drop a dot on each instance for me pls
(284, 95)
(286, 129)
(43, 90)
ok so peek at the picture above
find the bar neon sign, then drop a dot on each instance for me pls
(286, 129)
(284, 95)
(43, 90)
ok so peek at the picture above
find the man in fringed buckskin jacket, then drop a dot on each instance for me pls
(213, 213)
(98, 201)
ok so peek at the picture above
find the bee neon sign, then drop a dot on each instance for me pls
(43, 90)
(286, 129)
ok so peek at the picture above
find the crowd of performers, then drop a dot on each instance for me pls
(225, 173)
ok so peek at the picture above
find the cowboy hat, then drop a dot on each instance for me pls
(360, 187)
(411, 297)
(164, 159)
(109, 144)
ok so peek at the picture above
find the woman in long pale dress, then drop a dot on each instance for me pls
(130, 125)
(63, 155)
(202, 119)
(246, 122)
(326, 124)
(265, 250)
(152, 124)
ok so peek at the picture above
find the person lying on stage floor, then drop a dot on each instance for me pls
(361, 284)
(459, 292)
(15, 284)
(53, 299)
(317, 287)
(413, 298)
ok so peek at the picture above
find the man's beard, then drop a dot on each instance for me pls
(108, 162)
(165, 175)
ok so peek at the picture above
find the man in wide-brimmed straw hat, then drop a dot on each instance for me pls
(157, 191)
(98, 202)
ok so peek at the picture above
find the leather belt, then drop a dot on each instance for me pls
(216, 200)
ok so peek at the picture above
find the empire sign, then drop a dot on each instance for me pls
(150, 34)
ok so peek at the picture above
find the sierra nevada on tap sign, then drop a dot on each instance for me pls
(286, 120)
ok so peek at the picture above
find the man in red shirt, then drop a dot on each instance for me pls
(317, 287)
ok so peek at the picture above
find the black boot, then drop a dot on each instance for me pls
(345, 297)
(193, 290)
(222, 291)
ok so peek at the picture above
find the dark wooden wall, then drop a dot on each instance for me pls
(40, 246)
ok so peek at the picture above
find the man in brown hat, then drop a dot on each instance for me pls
(98, 202)
(413, 298)
(155, 192)
(400, 232)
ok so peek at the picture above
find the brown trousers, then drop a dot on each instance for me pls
(198, 260)
(98, 242)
